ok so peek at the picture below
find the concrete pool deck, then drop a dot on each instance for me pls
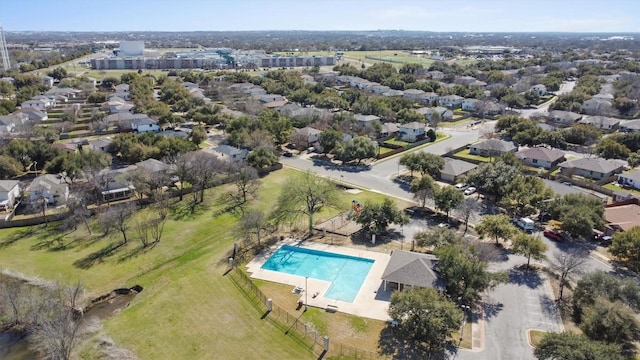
(370, 302)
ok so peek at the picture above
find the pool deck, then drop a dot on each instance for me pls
(371, 302)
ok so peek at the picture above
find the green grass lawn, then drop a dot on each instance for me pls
(613, 187)
(188, 309)
(397, 142)
(466, 155)
(384, 150)
(453, 123)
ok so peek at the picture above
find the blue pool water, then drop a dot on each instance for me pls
(346, 273)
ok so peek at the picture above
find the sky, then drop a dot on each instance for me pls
(231, 15)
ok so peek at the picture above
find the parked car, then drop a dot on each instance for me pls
(606, 240)
(287, 154)
(461, 186)
(470, 190)
(553, 235)
(444, 225)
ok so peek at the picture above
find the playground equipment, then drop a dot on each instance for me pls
(357, 206)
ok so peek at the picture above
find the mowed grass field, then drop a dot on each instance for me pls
(395, 57)
(188, 309)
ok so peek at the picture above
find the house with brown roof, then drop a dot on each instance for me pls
(407, 269)
(592, 168)
(621, 216)
(541, 157)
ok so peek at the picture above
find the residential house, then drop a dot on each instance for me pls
(388, 130)
(564, 118)
(631, 180)
(242, 87)
(630, 126)
(414, 94)
(268, 98)
(10, 80)
(51, 187)
(144, 124)
(39, 104)
(539, 89)
(9, 193)
(491, 108)
(593, 106)
(12, 122)
(407, 269)
(67, 147)
(470, 104)
(115, 107)
(35, 114)
(47, 81)
(66, 92)
(231, 154)
(431, 98)
(444, 113)
(122, 91)
(592, 168)
(274, 104)
(453, 169)
(378, 89)
(366, 119)
(309, 134)
(492, 147)
(621, 216)
(393, 93)
(412, 132)
(541, 157)
(608, 124)
(153, 166)
(101, 144)
(451, 101)
(465, 80)
(308, 79)
(435, 75)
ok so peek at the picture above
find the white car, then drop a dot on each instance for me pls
(461, 186)
(470, 190)
(444, 225)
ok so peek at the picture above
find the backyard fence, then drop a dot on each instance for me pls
(292, 325)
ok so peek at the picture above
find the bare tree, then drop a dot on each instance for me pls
(204, 168)
(13, 296)
(59, 321)
(465, 209)
(121, 217)
(253, 222)
(258, 138)
(141, 226)
(567, 263)
(181, 169)
(245, 179)
(161, 205)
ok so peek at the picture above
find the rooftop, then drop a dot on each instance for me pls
(541, 153)
(622, 217)
(593, 164)
(411, 268)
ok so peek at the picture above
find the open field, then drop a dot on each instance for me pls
(188, 309)
(395, 57)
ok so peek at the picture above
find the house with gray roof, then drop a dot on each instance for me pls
(541, 157)
(561, 189)
(366, 119)
(630, 126)
(231, 154)
(412, 131)
(414, 94)
(410, 269)
(564, 118)
(101, 144)
(592, 168)
(605, 123)
(9, 193)
(451, 101)
(51, 187)
(492, 147)
(631, 180)
(444, 113)
(453, 169)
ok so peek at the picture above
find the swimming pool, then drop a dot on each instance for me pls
(346, 273)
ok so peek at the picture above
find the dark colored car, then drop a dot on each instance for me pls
(287, 154)
(553, 235)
